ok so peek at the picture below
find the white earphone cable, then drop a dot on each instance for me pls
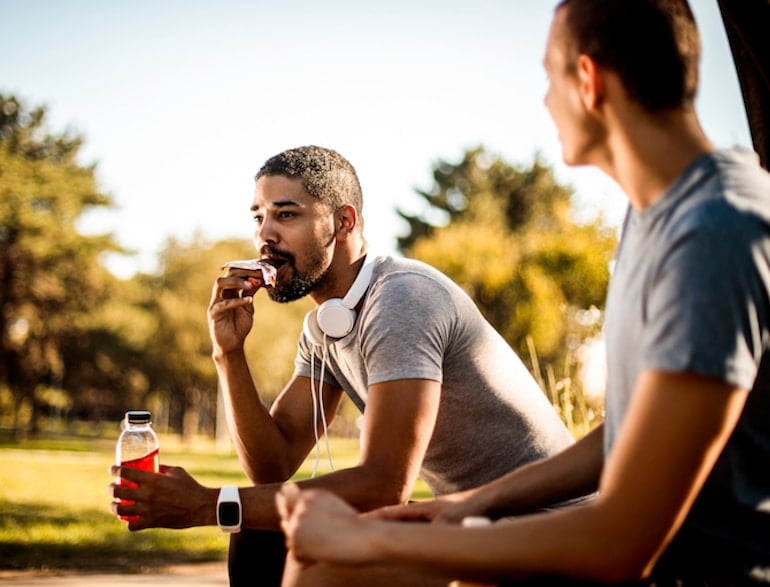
(321, 405)
(318, 405)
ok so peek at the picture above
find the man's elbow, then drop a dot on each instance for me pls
(384, 492)
(263, 474)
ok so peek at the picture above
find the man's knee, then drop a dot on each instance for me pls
(298, 575)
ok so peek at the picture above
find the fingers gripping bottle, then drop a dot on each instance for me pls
(137, 447)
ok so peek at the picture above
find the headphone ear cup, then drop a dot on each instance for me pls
(311, 329)
(335, 319)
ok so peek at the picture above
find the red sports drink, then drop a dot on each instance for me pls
(137, 447)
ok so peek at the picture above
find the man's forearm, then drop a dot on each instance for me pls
(251, 426)
(361, 488)
(568, 475)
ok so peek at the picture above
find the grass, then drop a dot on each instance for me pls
(578, 412)
(54, 494)
(54, 500)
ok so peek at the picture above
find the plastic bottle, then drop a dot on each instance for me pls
(137, 447)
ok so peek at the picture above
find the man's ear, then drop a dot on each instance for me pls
(591, 82)
(346, 219)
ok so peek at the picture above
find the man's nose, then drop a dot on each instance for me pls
(266, 232)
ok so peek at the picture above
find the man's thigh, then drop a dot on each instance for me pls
(295, 575)
(256, 557)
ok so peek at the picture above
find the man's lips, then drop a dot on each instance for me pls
(277, 263)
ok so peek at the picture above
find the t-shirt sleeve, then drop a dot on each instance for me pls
(406, 328)
(703, 307)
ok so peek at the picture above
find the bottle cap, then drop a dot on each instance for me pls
(138, 417)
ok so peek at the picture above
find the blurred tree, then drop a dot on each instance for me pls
(507, 236)
(50, 273)
(106, 356)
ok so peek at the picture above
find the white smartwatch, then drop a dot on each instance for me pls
(229, 509)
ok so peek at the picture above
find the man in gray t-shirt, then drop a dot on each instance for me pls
(415, 323)
(441, 393)
(689, 293)
(681, 466)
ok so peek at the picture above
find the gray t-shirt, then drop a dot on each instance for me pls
(416, 323)
(690, 293)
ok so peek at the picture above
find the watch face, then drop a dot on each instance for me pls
(229, 513)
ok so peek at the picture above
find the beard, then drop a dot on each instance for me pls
(301, 283)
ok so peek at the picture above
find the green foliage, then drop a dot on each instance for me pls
(50, 273)
(78, 344)
(507, 236)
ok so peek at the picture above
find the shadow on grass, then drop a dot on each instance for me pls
(43, 537)
(56, 556)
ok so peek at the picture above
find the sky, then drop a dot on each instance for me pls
(180, 102)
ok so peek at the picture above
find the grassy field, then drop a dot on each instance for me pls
(54, 502)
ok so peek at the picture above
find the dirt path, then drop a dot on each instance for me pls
(197, 575)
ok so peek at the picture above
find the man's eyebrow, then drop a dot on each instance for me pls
(278, 204)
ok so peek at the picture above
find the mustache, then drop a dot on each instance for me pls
(272, 252)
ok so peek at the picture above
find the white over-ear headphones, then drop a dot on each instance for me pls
(336, 317)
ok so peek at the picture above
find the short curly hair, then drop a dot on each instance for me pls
(325, 174)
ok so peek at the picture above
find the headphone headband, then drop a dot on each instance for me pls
(360, 285)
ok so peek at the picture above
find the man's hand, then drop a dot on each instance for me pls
(169, 499)
(449, 509)
(319, 526)
(231, 309)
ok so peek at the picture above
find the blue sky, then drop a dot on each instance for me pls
(179, 102)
